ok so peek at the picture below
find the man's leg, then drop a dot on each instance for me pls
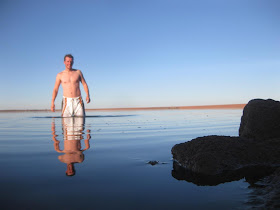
(80, 108)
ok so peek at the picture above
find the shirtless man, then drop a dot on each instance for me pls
(72, 103)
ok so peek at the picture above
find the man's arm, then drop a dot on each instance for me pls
(55, 91)
(83, 81)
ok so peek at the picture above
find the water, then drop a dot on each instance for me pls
(106, 159)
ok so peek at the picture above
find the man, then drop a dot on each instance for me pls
(72, 103)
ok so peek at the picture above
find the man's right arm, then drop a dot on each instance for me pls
(55, 91)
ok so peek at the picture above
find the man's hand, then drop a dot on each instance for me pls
(53, 108)
(87, 99)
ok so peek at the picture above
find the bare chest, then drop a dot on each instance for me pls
(71, 77)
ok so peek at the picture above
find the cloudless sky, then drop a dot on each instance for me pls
(141, 53)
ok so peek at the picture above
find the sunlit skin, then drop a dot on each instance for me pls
(70, 80)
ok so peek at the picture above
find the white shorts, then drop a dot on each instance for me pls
(73, 107)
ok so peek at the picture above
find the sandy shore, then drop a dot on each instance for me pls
(225, 106)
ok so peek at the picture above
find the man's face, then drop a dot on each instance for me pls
(68, 62)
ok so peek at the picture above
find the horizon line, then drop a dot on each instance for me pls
(223, 106)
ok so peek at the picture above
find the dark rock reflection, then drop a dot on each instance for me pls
(73, 134)
(251, 174)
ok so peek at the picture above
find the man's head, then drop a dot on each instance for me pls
(68, 56)
(68, 61)
(70, 170)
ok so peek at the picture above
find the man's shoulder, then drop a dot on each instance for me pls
(60, 73)
(78, 70)
(75, 70)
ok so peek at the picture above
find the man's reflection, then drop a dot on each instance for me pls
(73, 128)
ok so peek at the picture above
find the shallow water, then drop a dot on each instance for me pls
(107, 156)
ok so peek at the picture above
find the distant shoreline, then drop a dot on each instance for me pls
(225, 106)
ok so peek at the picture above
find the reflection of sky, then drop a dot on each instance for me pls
(115, 167)
(141, 53)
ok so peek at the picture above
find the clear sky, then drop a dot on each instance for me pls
(139, 53)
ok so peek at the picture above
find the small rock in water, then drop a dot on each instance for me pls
(153, 162)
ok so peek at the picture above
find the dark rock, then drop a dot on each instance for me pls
(255, 154)
(153, 162)
(261, 119)
(216, 155)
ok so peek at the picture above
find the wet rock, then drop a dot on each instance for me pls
(261, 119)
(254, 154)
(216, 155)
(223, 156)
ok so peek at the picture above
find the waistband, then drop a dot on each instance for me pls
(73, 98)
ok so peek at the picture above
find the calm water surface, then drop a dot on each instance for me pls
(106, 158)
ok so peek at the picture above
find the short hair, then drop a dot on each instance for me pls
(69, 56)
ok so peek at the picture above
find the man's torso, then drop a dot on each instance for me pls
(70, 82)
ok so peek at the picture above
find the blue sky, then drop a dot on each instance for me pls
(139, 53)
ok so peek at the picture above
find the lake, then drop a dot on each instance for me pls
(102, 161)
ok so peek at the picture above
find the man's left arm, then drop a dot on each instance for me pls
(83, 81)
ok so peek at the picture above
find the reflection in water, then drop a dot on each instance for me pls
(73, 128)
(252, 174)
